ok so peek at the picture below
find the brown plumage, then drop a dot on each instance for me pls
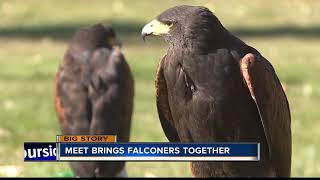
(213, 87)
(93, 92)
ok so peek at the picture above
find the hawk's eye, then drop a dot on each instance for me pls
(169, 23)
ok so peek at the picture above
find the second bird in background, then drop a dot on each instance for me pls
(94, 90)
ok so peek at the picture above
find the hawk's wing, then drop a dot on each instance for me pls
(163, 105)
(111, 93)
(266, 90)
(71, 97)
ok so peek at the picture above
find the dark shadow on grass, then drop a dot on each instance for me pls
(132, 31)
(64, 31)
(278, 31)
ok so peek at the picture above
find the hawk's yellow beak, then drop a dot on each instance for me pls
(155, 27)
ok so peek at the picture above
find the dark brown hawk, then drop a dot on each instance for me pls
(212, 87)
(93, 93)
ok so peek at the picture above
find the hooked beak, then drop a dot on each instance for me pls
(155, 27)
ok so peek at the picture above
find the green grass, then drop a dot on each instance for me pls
(34, 36)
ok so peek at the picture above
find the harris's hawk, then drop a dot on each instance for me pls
(94, 91)
(213, 87)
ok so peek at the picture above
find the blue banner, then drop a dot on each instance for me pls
(39, 151)
(159, 151)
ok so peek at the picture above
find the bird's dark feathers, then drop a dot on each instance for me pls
(94, 92)
(201, 86)
(162, 105)
(273, 107)
(91, 38)
(194, 27)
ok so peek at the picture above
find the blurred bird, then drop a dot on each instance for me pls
(93, 93)
(212, 87)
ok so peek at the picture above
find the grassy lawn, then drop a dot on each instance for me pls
(34, 36)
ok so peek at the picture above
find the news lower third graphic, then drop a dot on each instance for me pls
(106, 148)
(40, 151)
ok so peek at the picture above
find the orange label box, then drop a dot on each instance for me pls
(87, 138)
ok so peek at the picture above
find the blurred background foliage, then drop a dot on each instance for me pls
(34, 35)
